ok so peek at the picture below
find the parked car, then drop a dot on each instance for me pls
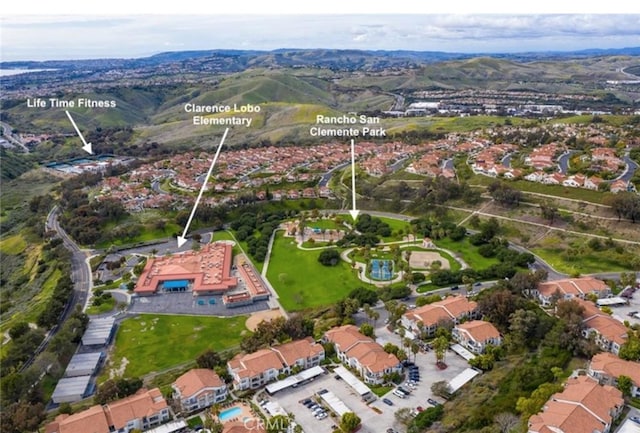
(305, 401)
(322, 391)
(455, 288)
(399, 393)
(420, 409)
(404, 390)
(635, 419)
(433, 402)
(314, 406)
(322, 415)
(387, 401)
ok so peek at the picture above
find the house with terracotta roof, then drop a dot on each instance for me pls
(570, 288)
(141, 411)
(607, 368)
(362, 353)
(609, 333)
(583, 406)
(199, 388)
(453, 308)
(476, 335)
(253, 370)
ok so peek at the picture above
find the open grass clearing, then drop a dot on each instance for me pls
(302, 282)
(469, 253)
(143, 343)
(590, 263)
(13, 245)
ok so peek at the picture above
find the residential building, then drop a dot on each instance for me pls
(141, 411)
(253, 370)
(362, 353)
(607, 368)
(609, 333)
(199, 388)
(571, 288)
(453, 308)
(583, 406)
(476, 335)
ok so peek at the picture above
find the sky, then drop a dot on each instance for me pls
(72, 32)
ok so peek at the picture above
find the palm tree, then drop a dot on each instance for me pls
(375, 316)
(415, 348)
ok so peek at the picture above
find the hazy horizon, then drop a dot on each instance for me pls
(39, 38)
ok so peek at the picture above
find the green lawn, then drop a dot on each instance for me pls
(591, 263)
(302, 282)
(155, 342)
(104, 307)
(468, 252)
(13, 245)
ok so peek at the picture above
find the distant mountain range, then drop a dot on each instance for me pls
(238, 60)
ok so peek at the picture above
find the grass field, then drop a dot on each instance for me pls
(105, 307)
(302, 282)
(324, 223)
(585, 264)
(468, 252)
(146, 341)
(13, 245)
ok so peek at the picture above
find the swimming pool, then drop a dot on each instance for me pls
(227, 414)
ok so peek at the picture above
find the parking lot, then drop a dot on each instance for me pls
(186, 303)
(621, 313)
(372, 421)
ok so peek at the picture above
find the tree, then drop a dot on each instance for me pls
(18, 330)
(208, 359)
(364, 296)
(627, 279)
(349, 422)
(440, 347)
(549, 212)
(329, 257)
(441, 388)
(625, 385)
(497, 306)
(506, 421)
(532, 405)
(367, 329)
(403, 416)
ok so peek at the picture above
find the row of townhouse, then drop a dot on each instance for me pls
(609, 333)
(454, 308)
(607, 368)
(583, 406)
(578, 181)
(363, 354)
(253, 370)
(199, 388)
(570, 288)
(141, 411)
(476, 335)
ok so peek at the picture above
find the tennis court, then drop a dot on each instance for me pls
(381, 269)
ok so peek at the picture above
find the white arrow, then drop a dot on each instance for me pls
(354, 212)
(87, 146)
(182, 239)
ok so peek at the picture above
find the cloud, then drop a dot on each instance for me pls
(42, 37)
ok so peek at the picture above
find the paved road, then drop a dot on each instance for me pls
(13, 139)
(629, 171)
(563, 161)
(506, 161)
(80, 275)
(80, 268)
(324, 180)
